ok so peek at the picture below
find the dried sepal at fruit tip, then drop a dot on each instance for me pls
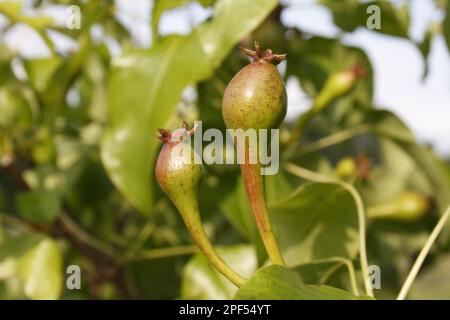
(167, 136)
(266, 55)
(256, 97)
(176, 176)
(164, 135)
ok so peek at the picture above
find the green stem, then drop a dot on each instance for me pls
(165, 252)
(6, 219)
(317, 177)
(350, 268)
(329, 273)
(191, 218)
(423, 254)
(333, 139)
(85, 237)
(253, 183)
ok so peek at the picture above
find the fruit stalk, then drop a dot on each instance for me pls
(253, 183)
(191, 218)
(180, 179)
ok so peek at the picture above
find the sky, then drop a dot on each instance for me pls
(398, 66)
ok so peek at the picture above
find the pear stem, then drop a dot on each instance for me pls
(191, 218)
(253, 183)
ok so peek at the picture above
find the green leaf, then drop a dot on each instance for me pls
(446, 26)
(11, 8)
(202, 281)
(279, 283)
(316, 221)
(16, 120)
(388, 125)
(40, 271)
(158, 279)
(40, 71)
(43, 150)
(394, 20)
(207, 3)
(350, 14)
(6, 55)
(62, 78)
(346, 13)
(145, 86)
(407, 165)
(277, 187)
(18, 246)
(425, 48)
(320, 272)
(159, 7)
(312, 61)
(162, 5)
(40, 206)
(389, 179)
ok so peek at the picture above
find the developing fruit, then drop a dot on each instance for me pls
(410, 206)
(256, 99)
(346, 168)
(337, 85)
(358, 168)
(180, 179)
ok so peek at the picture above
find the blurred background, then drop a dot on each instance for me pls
(79, 108)
(399, 68)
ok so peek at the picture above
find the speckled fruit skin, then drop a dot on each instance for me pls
(255, 98)
(178, 180)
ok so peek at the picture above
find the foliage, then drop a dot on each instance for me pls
(278, 283)
(77, 155)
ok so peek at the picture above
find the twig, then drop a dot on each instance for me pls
(423, 254)
(18, 224)
(333, 139)
(85, 237)
(165, 252)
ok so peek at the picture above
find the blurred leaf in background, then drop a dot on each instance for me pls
(78, 118)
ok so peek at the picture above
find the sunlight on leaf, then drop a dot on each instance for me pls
(146, 85)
